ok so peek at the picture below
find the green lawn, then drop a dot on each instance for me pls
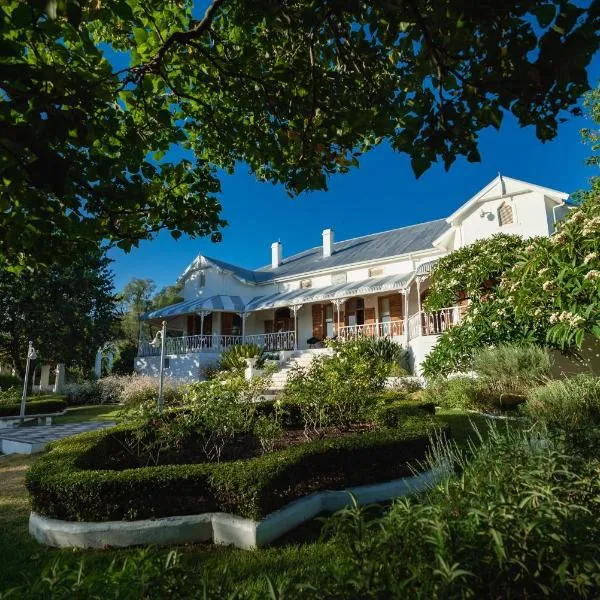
(104, 412)
(300, 552)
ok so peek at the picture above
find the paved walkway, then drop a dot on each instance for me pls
(26, 440)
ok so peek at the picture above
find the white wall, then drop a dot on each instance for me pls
(186, 367)
(418, 349)
(530, 214)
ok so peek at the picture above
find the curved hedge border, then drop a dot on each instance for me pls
(62, 488)
(35, 407)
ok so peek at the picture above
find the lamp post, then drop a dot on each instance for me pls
(31, 355)
(160, 338)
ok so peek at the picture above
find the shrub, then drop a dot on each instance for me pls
(211, 413)
(10, 381)
(569, 405)
(88, 392)
(63, 486)
(512, 368)
(268, 431)
(520, 521)
(10, 395)
(140, 390)
(34, 407)
(233, 358)
(336, 390)
(452, 393)
(407, 384)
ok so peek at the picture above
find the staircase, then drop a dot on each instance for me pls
(300, 358)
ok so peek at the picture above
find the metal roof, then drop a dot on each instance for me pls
(387, 244)
(375, 246)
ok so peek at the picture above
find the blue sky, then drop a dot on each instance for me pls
(381, 194)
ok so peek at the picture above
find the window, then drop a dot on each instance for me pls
(376, 272)
(167, 364)
(339, 278)
(201, 279)
(505, 214)
(385, 315)
(305, 284)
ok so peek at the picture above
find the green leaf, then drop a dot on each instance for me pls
(545, 14)
(140, 35)
(420, 164)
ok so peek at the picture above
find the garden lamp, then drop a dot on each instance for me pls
(160, 338)
(31, 355)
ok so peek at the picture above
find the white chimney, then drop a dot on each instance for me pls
(275, 254)
(327, 242)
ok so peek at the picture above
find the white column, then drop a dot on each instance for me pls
(295, 308)
(337, 303)
(243, 316)
(45, 378)
(59, 381)
(406, 293)
(202, 314)
(98, 363)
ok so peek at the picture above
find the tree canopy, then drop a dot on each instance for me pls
(67, 310)
(115, 115)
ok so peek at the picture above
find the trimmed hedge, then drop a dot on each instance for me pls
(43, 406)
(62, 487)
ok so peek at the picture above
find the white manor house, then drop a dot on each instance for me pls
(372, 286)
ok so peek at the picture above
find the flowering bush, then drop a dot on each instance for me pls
(335, 390)
(86, 392)
(211, 412)
(9, 395)
(544, 290)
(550, 294)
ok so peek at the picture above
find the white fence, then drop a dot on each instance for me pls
(433, 323)
(372, 330)
(282, 340)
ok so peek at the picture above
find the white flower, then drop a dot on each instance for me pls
(495, 324)
(589, 257)
(591, 275)
(548, 285)
(554, 318)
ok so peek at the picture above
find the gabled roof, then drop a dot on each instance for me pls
(501, 180)
(245, 275)
(376, 246)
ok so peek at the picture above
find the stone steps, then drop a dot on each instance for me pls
(301, 358)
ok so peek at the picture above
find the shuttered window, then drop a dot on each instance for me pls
(505, 214)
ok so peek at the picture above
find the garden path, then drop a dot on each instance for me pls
(27, 440)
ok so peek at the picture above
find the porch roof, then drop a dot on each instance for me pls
(332, 292)
(218, 303)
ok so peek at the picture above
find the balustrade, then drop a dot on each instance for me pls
(281, 340)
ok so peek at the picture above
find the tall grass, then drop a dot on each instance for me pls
(512, 368)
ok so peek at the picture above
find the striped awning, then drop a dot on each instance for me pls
(219, 303)
(425, 268)
(333, 292)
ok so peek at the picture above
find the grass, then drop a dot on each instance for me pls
(79, 414)
(300, 552)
